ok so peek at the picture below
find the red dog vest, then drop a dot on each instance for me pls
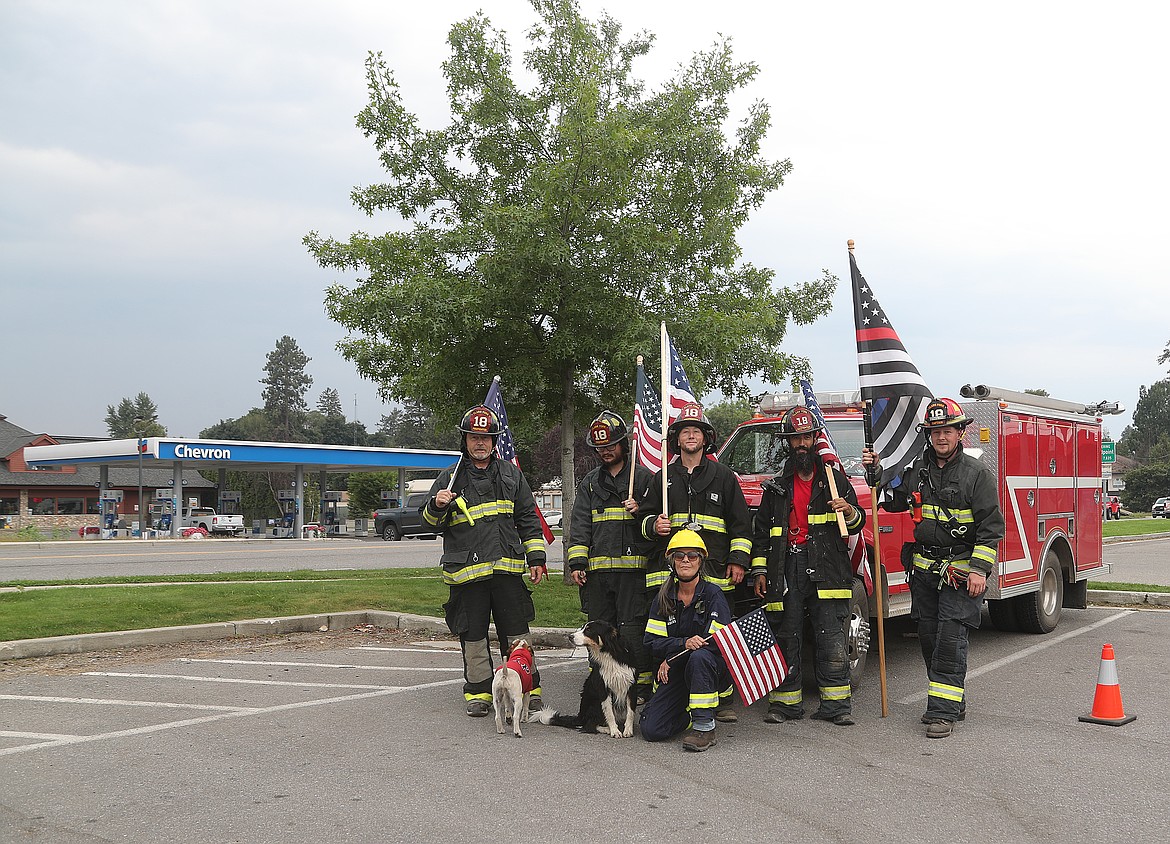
(521, 662)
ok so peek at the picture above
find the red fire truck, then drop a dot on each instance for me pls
(1046, 454)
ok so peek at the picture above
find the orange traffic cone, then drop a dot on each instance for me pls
(1107, 707)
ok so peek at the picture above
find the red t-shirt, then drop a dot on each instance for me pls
(798, 516)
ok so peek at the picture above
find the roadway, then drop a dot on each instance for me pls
(1144, 561)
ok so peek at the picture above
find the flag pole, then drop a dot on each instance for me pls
(664, 371)
(633, 441)
(872, 476)
(833, 493)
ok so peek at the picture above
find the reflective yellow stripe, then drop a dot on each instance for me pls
(774, 606)
(946, 692)
(611, 514)
(793, 698)
(578, 551)
(714, 626)
(500, 507)
(656, 627)
(484, 697)
(985, 553)
(935, 513)
(822, 518)
(834, 693)
(535, 544)
(431, 519)
(855, 521)
(759, 562)
(777, 530)
(713, 523)
(922, 562)
(617, 563)
(834, 593)
(477, 571)
(510, 565)
(739, 543)
(723, 583)
(655, 579)
(701, 701)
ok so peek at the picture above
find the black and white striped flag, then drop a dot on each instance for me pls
(890, 379)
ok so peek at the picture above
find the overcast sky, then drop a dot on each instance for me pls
(1002, 168)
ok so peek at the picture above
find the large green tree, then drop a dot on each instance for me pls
(555, 220)
(1151, 421)
(285, 384)
(120, 421)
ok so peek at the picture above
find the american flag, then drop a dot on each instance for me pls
(648, 423)
(680, 387)
(757, 666)
(890, 379)
(828, 454)
(506, 446)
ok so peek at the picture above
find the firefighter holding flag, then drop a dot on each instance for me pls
(798, 542)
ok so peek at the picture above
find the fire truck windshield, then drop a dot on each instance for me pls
(758, 448)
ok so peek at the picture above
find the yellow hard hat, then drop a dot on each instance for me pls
(686, 539)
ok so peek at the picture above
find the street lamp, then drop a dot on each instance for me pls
(139, 421)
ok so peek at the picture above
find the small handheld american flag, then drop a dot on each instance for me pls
(757, 666)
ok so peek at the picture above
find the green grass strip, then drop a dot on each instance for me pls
(1134, 526)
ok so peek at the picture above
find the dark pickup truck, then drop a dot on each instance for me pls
(393, 523)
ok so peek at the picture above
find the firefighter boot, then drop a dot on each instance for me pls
(478, 708)
(939, 729)
(699, 741)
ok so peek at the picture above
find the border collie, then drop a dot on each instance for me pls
(607, 697)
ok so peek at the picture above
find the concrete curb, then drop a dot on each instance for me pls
(57, 645)
(1151, 599)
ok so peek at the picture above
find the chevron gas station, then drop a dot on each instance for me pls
(179, 454)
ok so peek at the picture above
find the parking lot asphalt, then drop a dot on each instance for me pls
(359, 734)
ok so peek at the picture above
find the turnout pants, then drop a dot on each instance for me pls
(502, 598)
(620, 598)
(827, 616)
(944, 617)
(691, 694)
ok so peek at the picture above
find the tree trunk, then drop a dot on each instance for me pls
(568, 475)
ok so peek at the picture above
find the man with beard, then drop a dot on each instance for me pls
(606, 552)
(703, 496)
(798, 543)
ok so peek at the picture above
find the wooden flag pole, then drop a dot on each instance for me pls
(872, 477)
(833, 493)
(633, 450)
(664, 372)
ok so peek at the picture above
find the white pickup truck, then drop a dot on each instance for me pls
(206, 518)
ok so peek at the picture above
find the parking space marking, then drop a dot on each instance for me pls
(197, 679)
(155, 704)
(1018, 655)
(43, 736)
(321, 665)
(208, 719)
(443, 650)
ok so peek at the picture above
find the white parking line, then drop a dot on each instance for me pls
(405, 650)
(196, 679)
(43, 736)
(1018, 655)
(321, 665)
(97, 701)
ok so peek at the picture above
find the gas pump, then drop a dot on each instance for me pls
(288, 507)
(110, 499)
(331, 513)
(229, 502)
(162, 510)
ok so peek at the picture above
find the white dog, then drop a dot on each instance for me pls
(512, 686)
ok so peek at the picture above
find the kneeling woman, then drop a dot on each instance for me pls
(691, 670)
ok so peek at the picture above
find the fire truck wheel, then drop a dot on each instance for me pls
(857, 639)
(1039, 612)
(1003, 615)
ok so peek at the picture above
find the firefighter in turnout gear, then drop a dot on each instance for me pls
(801, 564)
(703, 496)
(607, 553)
(691, 671)
(485, 511)
(958, 528)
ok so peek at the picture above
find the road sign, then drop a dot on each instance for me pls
(1108, 452)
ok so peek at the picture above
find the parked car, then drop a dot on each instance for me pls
(552, 518)
(1112, 507)
(393, 523)
(1162, 507)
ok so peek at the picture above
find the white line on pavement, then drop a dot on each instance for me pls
(97, 701)
(1047, 643)
(321, 665)
(231, 680)
(42, 736)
